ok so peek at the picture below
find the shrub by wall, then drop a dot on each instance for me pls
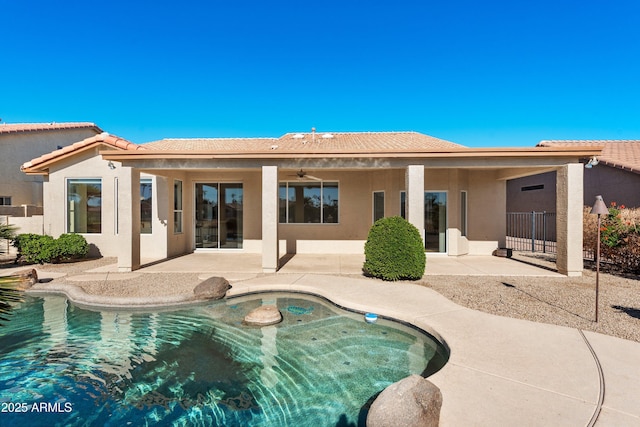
(70, 246)
(394, 250)
(39, 249)
(34, 248)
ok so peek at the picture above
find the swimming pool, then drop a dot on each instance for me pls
(66, 365)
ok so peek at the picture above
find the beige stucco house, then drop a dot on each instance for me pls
(299, 193)
(21, 142)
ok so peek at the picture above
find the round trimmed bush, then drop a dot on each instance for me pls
(394, 250)
(70, 246)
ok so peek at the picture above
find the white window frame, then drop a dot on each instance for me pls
(66, 203)
(178, 210)
(373, 205)
(464, 213)
(321, 182)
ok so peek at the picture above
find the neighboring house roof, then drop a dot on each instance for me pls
(621, 154)
(6, 128)
(40, 164)
(330, 142)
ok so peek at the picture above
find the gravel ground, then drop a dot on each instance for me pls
(565, 301)
(560, 301)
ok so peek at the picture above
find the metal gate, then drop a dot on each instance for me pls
(531, 231)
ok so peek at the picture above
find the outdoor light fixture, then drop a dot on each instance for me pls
(593, 161)
(599, 208)
(111, 165)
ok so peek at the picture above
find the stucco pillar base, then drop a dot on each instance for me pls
(270, 251)
(414, 184)
(569, 210)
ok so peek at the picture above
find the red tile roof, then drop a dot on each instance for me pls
(38, 127)
(622, 154)
(330, 142)
(39, 164)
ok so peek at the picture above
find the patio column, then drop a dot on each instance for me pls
(270, 253)
(414, 183)
(127, 209)
(569, 207)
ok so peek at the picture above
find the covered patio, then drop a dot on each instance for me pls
(235, 265)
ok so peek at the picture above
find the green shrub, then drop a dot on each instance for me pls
(38, 249)
(394, 250)
(70, 246)
(34, 248)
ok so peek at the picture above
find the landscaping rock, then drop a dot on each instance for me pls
(27, 278)
(212, 288)
(412, 401)
(263, 316)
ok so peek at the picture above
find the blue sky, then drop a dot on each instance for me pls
(482, 74)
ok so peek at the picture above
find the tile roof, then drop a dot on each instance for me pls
(334, 142)
(6, 128)
(38, 164)
(622, 154)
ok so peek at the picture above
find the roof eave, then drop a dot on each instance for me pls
(575, 152)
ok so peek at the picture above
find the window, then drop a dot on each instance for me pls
(403, 204)
(146, 205)
(5, 201)
(378, 205)
(177, 206)
(84, 205)
(463, 213)
(308, 202)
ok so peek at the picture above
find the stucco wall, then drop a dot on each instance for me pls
(613, 184)
(20, 147)
(90, 165)
(487, 199)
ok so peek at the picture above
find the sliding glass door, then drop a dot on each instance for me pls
(218, 221)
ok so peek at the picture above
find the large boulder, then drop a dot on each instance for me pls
(263, 316)
(212, 288)
(412, 401)
(27, 278)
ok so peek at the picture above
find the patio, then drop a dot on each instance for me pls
(337, 264)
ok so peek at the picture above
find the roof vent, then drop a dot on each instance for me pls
(298, 136)
(327, 136)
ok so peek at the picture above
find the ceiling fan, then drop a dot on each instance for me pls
(301, 175)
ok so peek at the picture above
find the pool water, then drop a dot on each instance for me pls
(322, 366)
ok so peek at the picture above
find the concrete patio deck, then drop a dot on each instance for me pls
(501, 372)
(235, 263)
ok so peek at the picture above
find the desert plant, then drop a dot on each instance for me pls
(9, 293)
(70, 246)
(394, 250)
(7, 232)
(619, 234)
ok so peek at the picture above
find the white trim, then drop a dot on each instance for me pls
(464, 215)
(446, 223)
(373, 205)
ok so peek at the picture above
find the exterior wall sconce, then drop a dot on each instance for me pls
(599, 208)
(111, 165)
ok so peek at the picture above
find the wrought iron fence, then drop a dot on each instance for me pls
(532, 231)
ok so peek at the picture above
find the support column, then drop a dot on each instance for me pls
(270, 252)
(414, 183)
(569, 210)
(128, 212)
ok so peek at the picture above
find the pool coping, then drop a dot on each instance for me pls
(501, 370)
